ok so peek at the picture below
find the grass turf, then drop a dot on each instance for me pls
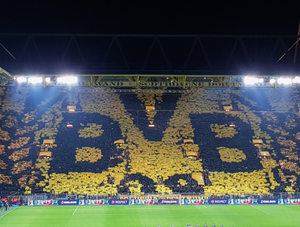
(152, 216)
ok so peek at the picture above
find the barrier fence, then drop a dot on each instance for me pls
(156, 199)
(85, 202)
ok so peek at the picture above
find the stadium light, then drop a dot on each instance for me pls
(272, 81)
(21, 79)
(285, 81)
(35, 80)
(296, 80)
(67, 80)
(249, 80)
(48, 80)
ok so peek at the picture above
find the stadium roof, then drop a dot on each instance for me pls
(148, 54)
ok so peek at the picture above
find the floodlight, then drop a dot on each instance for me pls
(260, 80)
(285, 81)
(67, 80)
(21, 79)
(35, 80)
(249, 80)
(272, 81)
(296, 80)
(48, 80)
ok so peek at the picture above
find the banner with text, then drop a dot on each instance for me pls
(68, 202)
(138, 201)
(42, 202)
(119, 202)
(194, 201)
(289, 201)
(218, 201)
(93, 202)
(84, 202)
(168, 201)
(243, 201)
(267, 201)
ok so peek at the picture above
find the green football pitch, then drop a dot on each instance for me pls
(152, 216)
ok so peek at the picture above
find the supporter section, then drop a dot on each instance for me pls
(220, 158)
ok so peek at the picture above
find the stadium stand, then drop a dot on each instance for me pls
(206, 141)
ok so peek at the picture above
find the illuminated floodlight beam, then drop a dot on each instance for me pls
(67, 80)
(249, 80)
(285, 81)
(296, 80)
(35, 80)
(47, 80)
(21, 79)
(272, 81)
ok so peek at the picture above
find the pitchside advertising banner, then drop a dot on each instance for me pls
(93, 202)
(68, 202)
(84, 202)
(42, 202)
(289, 201)
(118, 201)
(218, 201)
(242, 201)
(268, 201)
(168, 201)
(194, 201)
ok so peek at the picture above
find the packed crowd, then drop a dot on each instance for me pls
(153, 160)
(93, 130)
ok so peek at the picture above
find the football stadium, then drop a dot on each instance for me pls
(150, 136)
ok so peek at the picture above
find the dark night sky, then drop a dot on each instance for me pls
(151, 17)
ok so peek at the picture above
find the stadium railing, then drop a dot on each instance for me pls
(47, 196)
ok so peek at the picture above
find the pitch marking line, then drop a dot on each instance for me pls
(7, 213)
(75, 210)
(260, 210)
(205, 206)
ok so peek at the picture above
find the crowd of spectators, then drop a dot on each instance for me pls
(19, 154)
(231, 154)
(223, 131)
(20, 142)
(83, 160)
(92, 131)
(89, 154)
(26, 129)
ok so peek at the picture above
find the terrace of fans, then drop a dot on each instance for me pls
(98, 141)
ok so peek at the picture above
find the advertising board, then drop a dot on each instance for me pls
(218, 201)
(168, 201)
(68, 202)
(84, 202)
(267, 201)
(50, 202)
(288, 201)
(93, 202)
(243, 201)
(194, 201)
(119, 202)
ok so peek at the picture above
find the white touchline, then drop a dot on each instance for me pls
(75, 210)
(260, 209)
(205, 206)
(7, 213)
